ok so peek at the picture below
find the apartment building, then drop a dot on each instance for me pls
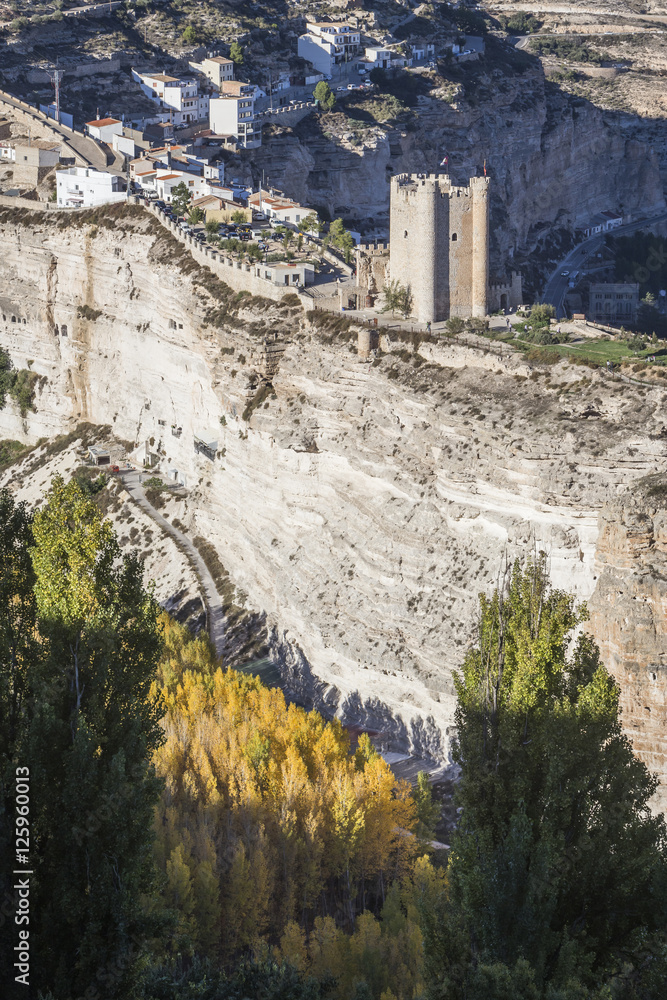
(233, 113)
(218, 70)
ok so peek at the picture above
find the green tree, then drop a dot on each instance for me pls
(404, 301)
(311, 224)
(211, 227)
(195, 216)
(190, 36)
(541, 313)
(180, 198)
(92, 728)
(557, 860)
(396, 297)
(324, 95)
(238, 217)
(236, 54)
(19, 650)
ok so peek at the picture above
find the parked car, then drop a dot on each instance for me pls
(160, 204)
(115, 468)
(338, 89)
(564, 274)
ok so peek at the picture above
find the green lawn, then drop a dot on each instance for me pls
(602, 351)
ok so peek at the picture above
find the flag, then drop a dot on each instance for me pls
(485, 168)
(445, 162)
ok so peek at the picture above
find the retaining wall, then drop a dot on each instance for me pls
(235, 273)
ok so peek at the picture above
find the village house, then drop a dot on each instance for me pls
(613, 302)
(83, 187)
(327, 44)
(33, 159)
(278, 208)
(221, 207)
(181, 97)
(603, 222)
(104, 129)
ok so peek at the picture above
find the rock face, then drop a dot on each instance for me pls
(362, 508)
(553, 159)
(629, 619)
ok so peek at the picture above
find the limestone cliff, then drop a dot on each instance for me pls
(629, 615)
(361, 508)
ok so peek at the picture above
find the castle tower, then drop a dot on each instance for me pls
(480, 245)
(439, 244)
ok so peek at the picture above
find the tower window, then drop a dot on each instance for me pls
(454, 237)
(405, 235)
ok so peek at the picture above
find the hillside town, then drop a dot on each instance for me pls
(197, 137)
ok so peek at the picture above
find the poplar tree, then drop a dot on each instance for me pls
(557, 872)
(92, 730)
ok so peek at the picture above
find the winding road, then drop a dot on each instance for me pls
(556, 287)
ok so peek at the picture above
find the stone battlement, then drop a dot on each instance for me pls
(373, 247)
(415, 185)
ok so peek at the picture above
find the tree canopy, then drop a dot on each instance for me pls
(81, 641)
(558, 869)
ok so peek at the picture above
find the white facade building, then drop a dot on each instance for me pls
(326, 45)
(182, 97)
(218, 69)
(83, 187)
(379, 57)
(235, 115)
(105, 129)
(279, 209)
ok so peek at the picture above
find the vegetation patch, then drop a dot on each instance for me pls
(18, 384)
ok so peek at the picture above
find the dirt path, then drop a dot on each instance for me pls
(216, 623)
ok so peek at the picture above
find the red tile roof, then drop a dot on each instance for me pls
(104, 121)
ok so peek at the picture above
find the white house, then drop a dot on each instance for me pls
(234, 114)
(294, 274)
(105, 129)
(182, 97)
(83, 187)
(326, 44)
(278, 208)
(378, 56)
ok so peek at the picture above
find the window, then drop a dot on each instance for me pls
(454, 237)
(405, 235)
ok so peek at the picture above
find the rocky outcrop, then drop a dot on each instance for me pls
(361, 508)
(554, 160)
(629, 619)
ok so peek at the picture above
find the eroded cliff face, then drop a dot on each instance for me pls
(554, 159)
(361, 508)
(629, 618)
